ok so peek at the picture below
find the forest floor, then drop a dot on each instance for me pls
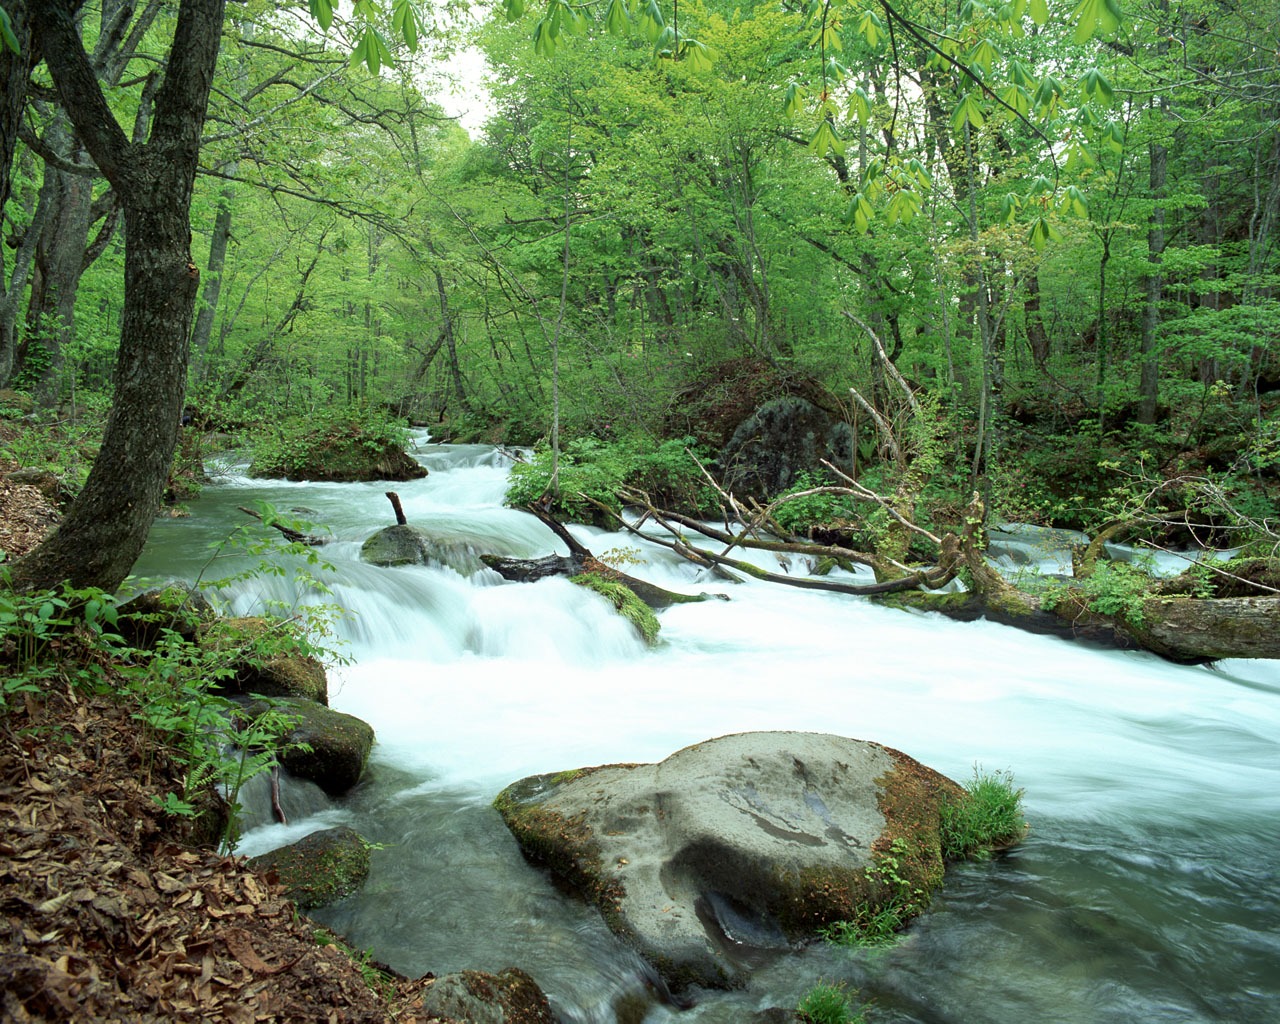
(106, 915)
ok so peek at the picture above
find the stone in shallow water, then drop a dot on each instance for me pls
(734, 849)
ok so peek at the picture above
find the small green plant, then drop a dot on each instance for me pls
(1117, 589)
(373, 973)
(877, 921)
(987, 818)
(828, 1004)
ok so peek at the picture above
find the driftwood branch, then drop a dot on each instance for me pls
(394, 498)
(290, 534)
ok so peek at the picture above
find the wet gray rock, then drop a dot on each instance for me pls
(405, 544)
(733, 849)
(508, 997)
(320, 868)
(339, 744)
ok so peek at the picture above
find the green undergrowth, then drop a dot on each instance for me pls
(76, 639)
(591, 470)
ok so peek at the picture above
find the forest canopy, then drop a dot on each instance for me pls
(1060, 221)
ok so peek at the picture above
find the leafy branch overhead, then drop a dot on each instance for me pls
(871, 69)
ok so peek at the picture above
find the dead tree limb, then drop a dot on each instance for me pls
(290, 534)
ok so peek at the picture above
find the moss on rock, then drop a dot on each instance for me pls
(262, 658)
(321, 868)
(628, 605)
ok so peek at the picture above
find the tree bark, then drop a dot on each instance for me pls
(107, 525)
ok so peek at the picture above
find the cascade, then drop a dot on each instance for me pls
(1146, 891)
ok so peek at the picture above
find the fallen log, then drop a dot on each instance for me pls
(579, 561)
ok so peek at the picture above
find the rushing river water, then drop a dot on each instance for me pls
(1147, 891)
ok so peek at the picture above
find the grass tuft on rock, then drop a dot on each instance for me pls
(987, 818)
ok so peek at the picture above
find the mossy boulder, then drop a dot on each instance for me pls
(508, 997)
(263, 657)
(780, 440)
(625, 600)
(405, 544)
(320, 868)
(738, 847)
(341, 452)
(174, 607)
(338, 744)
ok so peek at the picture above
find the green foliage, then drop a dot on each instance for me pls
(591, 470)
(34, 626)
(828, 1004)
(1117, 589)
(324, 443)
(987, 818)
(215, 742)
(797, 512)
(877, 921)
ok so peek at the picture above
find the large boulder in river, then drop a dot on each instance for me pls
(405, 544)
(324, 746)
(737, 846)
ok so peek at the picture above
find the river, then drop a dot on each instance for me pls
(1148, 889)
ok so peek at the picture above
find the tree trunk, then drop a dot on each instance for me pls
(107, 525)
(59, 263)
(203, 330)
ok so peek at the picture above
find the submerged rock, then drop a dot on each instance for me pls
(738, 846)
(405, 544)
(320, 868)
(508, 997)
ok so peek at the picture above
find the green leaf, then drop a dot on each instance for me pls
(1017, 98)
(1095, 86)
(1042, 233)
(1095, 16)
(652, 21)
(698, 56)
(871, 28)
(1040, 11)
(616, 21)
(967, 110)
(921, 173)
(514, 9)
(405, 22)
(793, 99)
(544, 43)
(859, 213)
(984, 55)
(825, 139)
(1074, 203)
(860, 104)
(1040, 185)
(1009, 207)
(322, 11)
(903, 207)
(1114, 137)
(1019, 75)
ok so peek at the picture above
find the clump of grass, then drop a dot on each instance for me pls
(828, 1004)
(986, 819)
